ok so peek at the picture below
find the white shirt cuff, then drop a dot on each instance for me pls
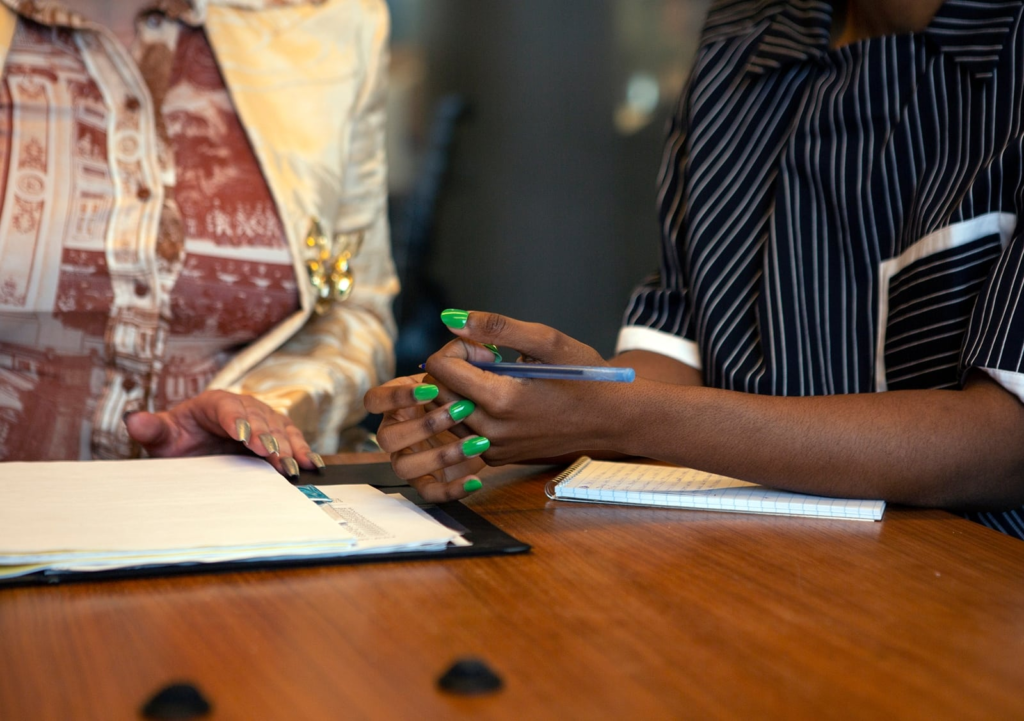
(637, 337)
(1013, 382)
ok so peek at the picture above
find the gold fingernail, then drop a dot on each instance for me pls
(270, 443)
(318, 462)
(291, 468)
(242, 430)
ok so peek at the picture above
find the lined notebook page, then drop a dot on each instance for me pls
(673, 486)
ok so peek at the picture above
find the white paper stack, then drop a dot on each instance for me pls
(101, 515)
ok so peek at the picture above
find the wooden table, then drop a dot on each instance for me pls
(617, 613)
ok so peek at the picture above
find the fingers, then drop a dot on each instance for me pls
(531, 339)
(399, 393)
(413, 465)
(439, 491)
(271, 434)
(217, 422)
(148, 429)
(536, 341)
(267, 433)
(300, 451)
(450, 483)
(424, 451)
(248, 420)
(398, 435)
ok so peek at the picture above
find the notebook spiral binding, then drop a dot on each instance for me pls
(572, 470)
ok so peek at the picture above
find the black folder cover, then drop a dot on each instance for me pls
(486, 538)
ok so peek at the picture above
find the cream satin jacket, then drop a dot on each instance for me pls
(307, 80)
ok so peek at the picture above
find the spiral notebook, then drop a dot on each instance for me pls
(638, 484)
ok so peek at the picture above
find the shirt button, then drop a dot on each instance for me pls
(128, 384)
(132, 103)
(141, 288)
(143, 193)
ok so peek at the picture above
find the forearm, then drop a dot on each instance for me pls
(935, 448)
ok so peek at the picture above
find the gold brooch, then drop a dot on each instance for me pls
(328, 263)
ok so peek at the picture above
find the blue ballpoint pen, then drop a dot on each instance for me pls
(553, 372)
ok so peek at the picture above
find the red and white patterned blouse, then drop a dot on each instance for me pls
(109, 301)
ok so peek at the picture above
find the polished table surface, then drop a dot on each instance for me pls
(617, 612)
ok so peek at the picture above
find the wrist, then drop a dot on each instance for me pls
(655, 420)
(621, 416)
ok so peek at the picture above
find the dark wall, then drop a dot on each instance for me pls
(548, 212)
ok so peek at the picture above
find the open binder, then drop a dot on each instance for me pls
(472, 534)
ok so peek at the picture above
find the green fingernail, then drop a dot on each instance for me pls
(454, 318)
(494, 349)
(460, 409)
(475, 446)
(425, 392)
(471, 485)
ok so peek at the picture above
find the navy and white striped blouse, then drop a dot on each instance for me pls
(844, 220)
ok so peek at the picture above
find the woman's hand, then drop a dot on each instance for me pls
(434, 443)
(219, 422)
(528, 419)
(512, 419)
(420, 430)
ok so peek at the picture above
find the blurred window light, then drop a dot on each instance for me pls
(656, 41)
(642, 96)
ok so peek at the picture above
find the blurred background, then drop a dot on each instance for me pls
(524, 142)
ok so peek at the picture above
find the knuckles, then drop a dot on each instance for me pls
(452, 454)
(436, 421)
(435, 492)
(500, 404)
(384, 440)
(217, 397)
(493, 325)
(370, 401)
(551, 340)
(400, 464)
(497, 455)
(383, 399)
